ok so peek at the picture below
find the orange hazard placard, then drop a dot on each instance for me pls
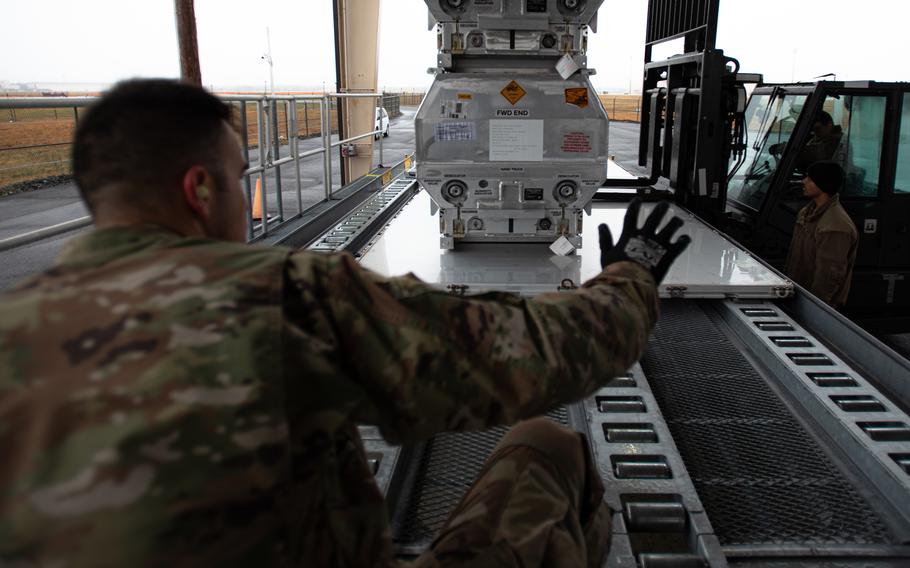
(513, 92)
(577, 96)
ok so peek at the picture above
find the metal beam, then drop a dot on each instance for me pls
(356, 48)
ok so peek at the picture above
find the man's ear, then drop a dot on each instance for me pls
(196, 188)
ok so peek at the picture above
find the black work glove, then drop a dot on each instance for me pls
(644, 245)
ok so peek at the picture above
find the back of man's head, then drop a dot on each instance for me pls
(142, 136)
(824, 118)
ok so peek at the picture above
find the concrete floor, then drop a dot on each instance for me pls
(24, 212)
(624, 146)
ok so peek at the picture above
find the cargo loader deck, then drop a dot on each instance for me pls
(759, 429)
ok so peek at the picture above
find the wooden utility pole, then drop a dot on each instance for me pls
(189, 47)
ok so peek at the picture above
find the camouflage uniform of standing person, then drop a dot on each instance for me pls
(823, 249)
(171, 396)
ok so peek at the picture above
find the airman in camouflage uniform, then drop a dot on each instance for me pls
(169, 397)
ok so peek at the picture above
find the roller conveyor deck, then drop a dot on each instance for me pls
(743, 436)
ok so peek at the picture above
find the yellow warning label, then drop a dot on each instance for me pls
(407, 161)
(465, 96)
(387, 178)
(513, 92)
(577, 96)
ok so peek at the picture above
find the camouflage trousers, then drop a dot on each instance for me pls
(537, 502)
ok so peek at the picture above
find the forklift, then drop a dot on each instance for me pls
(871, 141)
(738, 162)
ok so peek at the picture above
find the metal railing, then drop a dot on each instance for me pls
(269, 148)
(268, 124)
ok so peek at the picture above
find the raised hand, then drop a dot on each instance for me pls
(644, 244)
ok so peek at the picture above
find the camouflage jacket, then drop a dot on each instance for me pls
(181, 401)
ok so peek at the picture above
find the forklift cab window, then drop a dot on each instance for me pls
(902, 181)
(769, 125)
(854, 140)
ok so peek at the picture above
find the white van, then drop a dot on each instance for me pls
(382, 123)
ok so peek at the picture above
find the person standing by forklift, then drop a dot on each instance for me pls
(823, 248)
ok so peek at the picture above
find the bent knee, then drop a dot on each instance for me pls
(559, 444)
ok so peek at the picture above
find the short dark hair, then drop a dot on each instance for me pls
(145, 133)
(824, 118)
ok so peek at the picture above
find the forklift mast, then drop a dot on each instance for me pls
(692, 107)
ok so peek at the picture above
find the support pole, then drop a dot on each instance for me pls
(356, 46)
(338, 9)
(186, 38)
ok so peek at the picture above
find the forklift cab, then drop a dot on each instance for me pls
(865, 127)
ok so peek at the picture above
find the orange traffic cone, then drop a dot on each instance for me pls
(257, 201)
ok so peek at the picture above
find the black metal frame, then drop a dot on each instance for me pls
(694, 20)
(691, 98)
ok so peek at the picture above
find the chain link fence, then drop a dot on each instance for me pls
(35, 143)
(410, 98)
(392, 105)
(622, 108)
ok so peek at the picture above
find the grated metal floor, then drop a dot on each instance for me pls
(446, 470)
(760, 475)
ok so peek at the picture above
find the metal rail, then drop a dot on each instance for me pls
(43, 233)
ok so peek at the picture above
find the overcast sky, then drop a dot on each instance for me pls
(101, 41)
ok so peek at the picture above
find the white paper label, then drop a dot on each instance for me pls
(456, 110)
(516, 140)
(567, 66)
(562, 247)
(454, 132)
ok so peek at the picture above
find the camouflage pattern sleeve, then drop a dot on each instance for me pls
(417, 360)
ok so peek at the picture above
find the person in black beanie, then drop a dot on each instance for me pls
(823, 248)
